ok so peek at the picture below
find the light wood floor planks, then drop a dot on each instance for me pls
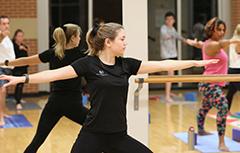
(165, 120)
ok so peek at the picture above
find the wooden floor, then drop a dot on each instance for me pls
(165, 120)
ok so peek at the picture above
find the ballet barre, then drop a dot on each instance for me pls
(181, 78)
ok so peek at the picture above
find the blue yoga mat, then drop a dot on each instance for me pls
(237, 115)
(16, 121)
(209, 143)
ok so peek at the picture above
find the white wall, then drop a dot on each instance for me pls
(43, 35)
(135, 23)
(224, 13)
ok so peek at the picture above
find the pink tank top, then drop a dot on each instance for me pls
(219, 68)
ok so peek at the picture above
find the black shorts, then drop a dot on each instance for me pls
(5, 71)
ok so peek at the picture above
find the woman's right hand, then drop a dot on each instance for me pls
(12, 80)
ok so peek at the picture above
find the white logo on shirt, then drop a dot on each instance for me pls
(101, 73)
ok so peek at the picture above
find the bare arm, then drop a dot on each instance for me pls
(31, 60)
(213, 47)
(195, 43)
(63, 73)
(166, 65)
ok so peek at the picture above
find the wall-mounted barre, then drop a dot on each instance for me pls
(181, 78)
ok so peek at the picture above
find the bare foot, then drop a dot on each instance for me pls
(169, 100)
(7, 116)
(173, 94)
(203, 132)
(19, 107)
(2, 122)
(229, 114)
(223, 148)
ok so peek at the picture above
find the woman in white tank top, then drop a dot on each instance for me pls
(234, 67)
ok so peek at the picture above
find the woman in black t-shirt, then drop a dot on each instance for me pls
(20, 50)
(65, 97)
(107, 74)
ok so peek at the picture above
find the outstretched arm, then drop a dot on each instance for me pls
(194, 43)
(63, 73)
(31, 60)
(166, 65)
(213, 47)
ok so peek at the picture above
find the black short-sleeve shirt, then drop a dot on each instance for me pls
(108, 88)
(71, 55)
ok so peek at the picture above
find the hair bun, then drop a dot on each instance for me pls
(95, 28)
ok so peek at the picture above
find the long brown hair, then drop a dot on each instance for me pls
(97, 35)
(212, 24)
(15, 34)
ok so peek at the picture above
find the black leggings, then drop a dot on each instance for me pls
(89, 142)
(18, 92)
(58, 105)
(233, 87)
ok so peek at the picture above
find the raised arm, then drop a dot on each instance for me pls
(31, 60)
(166, 65)
(63, 73)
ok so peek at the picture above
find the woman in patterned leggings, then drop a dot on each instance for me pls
(213, 96)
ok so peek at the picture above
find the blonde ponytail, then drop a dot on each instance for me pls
(60, 42)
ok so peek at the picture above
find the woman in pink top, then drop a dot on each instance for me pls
(214, 48)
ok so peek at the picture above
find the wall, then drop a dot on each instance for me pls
(235, 13)
(43, 35)
(225, 12)
(135, 23)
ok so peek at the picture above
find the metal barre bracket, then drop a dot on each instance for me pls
(136, 93)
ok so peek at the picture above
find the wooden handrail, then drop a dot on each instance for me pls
(190, 78)
(181, 78)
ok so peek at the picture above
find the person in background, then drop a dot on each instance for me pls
(199, 34)
(21, 50)
(65, 98)
(168, 38)
(234, 67)
(6, 54)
